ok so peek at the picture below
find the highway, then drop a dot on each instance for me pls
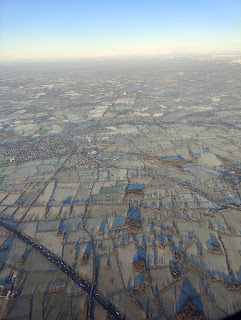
(63, 266)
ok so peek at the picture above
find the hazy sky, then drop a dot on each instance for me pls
(71, 28)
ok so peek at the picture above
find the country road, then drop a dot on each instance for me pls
(64, 267)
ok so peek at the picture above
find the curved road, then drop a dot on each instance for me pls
(86, 286)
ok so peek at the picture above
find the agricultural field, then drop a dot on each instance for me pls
(132, 180)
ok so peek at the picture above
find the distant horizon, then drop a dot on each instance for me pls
(33, 30)
(120, 57)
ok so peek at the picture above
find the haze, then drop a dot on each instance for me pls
(73, 29)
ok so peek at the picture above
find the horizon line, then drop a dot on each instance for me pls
(118, 56)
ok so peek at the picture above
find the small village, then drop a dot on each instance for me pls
(129, 181)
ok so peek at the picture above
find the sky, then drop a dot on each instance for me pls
(36, 29)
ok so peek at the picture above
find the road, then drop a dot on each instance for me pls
(63, 266)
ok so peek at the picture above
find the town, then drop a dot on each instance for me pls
(120, 190)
